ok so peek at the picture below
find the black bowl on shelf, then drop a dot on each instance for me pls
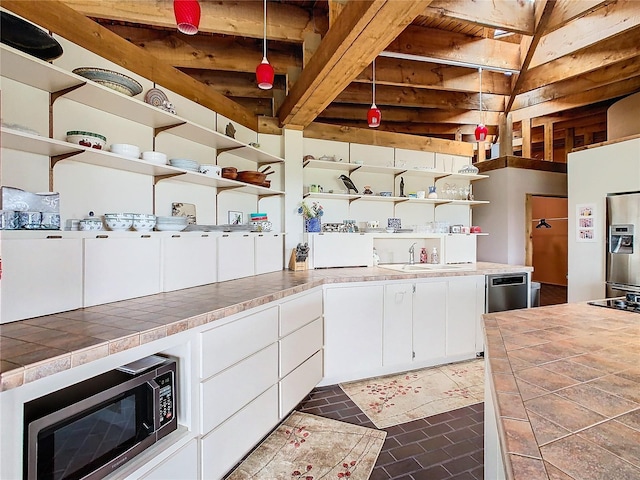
(28, 38)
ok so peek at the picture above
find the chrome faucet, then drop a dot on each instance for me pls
(412, 259)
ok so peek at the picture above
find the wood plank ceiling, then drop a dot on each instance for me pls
(545, 62)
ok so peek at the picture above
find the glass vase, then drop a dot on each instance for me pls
(313, 225)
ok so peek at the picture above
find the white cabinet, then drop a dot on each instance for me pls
(269, 253)
(299, 311)
(431, 321)
(40, 275)
(227, 392)
(295, 386)
(183, 464)
(236, 256)
(464, 313)
(341, 250)
(296, 347)
(414, 322)
(353, 332)
(227, 444)
(188, 261)
(460, 248)
(117, 268)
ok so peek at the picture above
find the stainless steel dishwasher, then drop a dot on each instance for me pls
(506, 291)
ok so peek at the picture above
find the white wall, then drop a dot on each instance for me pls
(622, 117)
(504, 218)
(593, 173)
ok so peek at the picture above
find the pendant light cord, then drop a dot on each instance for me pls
(264, 44)
(481, 117)
(374, 81)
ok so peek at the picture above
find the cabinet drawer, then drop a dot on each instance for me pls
(269, 254)
(230, 390)
(230, 343)
(295, 386)
(40, 276)
(300, 345)
(120, 268)
(182, 464)
(236, 255)
(342, 250)
(227, 444)
(299, 311)
(188, 261)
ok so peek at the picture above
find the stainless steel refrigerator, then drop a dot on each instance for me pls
(623, 251)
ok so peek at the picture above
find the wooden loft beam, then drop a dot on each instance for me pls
(510, 16)
(285, 22)
(567, 11)
(363, 29)
(75, 27)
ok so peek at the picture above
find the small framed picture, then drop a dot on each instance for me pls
(236, 218)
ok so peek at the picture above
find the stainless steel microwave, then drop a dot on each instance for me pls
(89, 429)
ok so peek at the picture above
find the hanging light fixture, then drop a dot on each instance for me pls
(187, 14)
(264, 71)
(373, 115)
(481, 131)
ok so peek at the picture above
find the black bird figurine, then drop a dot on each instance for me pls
(348, 183)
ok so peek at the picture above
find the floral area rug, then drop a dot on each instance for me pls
(308, 447)
(400, 398)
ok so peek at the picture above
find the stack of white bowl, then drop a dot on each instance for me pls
(171, 224)
(185, 164)
(126, 150)
(143, 222)
(118, 221)
(157, 158)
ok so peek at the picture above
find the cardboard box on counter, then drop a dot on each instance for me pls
(12, 198)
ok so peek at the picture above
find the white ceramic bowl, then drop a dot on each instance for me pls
(118, 221)
(126, 150)
(144, 224)
(87, 139)
(171, 224)
(155, 157)
(89, 224)
(211, 170)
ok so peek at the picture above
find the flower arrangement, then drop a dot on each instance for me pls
(312, 211)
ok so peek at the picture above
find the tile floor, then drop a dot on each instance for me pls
(446, 446)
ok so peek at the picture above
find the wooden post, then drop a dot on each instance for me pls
(526, 138)
(482, 152)
(569, 137)
(548, 141)
(506, 135)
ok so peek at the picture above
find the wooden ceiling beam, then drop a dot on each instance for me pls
(406, 73)
(510, 16)
(608, 52)
(567, 11)
(420, 97)
(230, 54)
(607, 92)
(285, 21)
(388, 139)
(456, 47)
(363, 29)
(236, 84)
(608, 21)
(416, 128)
(75, 27)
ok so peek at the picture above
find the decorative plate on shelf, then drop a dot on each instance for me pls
(159, 99)
(28, 38)
(113, 80)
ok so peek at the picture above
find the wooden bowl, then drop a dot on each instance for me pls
(251, 176)
(266, 183)
(229, 172)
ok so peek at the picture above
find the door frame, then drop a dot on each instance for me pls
(528, 228)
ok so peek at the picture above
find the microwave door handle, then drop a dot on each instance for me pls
(155, 393)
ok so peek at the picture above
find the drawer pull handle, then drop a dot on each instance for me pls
(204, 236)
(225, 235)
(145, 236)
(102, 236)
(54, 236)
(175, 236)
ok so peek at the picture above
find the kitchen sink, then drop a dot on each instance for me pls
(427, 267)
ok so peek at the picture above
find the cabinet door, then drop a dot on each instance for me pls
(460, 248)
(353, 332)
(429, 320)
(299, 311)
(463, 313)
(188, 261)
(236, 254)
(269, 254)
(120, 268)
(183, 464)
(297, 385)
(296, 347)
(397, 326)
(40, 276)
(342, 250)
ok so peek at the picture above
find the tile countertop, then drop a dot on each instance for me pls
(38, 347)
(566, 386)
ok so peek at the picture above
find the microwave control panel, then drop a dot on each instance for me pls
(167, 397)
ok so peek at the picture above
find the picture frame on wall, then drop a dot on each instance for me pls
(236, 218)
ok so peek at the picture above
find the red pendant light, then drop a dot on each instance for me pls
(481, 130)
(264, 71)
(187, 14)
(374, 115)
